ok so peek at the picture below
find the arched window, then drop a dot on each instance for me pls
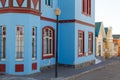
(47, 42)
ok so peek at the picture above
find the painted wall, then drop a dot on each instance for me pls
(86, 29)
(49, 61)
(99, 41)
(80, 16)
(69, 33)
(68, 36)
(110, 42)
(117, 41)
(48, 11)
(67, 9)
(66, 43)
(11, 20)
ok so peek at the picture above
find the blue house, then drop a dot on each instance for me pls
(28, 29)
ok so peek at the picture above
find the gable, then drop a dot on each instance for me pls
(97, 28)
(106, 30)
(102, 31)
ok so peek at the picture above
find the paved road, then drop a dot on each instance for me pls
(100, 71)
(110, 72)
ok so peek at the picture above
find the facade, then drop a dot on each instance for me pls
(28, 29)
(116, 40)
(109, 42)
(100, 36)
(104, 41)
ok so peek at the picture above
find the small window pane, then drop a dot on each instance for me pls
(19, 43)
(2, 43)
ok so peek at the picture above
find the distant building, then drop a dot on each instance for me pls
(28, 30)
(100, 36)
(109, 42)
(116, 40)
(104, 41)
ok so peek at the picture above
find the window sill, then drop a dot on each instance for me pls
(90, 53)
(47, 56)
(80, 55)
(86, 14)
(33, 59)
(3, 59)
(50, 6)
(19, 59)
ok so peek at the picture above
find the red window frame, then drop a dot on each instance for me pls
(86, 7)
(90, 43)
(43, 53)
(80, 34)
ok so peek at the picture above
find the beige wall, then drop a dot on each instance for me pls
(107, 47)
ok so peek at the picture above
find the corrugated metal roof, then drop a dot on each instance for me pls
(97, 28)
(116, 36)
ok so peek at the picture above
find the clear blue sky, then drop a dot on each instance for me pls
(108, 11)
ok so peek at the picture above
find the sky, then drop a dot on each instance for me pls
(108, 11)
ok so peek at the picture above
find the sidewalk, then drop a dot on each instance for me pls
(64, 73)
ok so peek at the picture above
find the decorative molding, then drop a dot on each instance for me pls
(19, 10)
(19, 68)
(68, 21)
(3, 2)
(20, 2)
(47, 19)
(2, 68)
(35, 2)
(77, 21)
(34, 66)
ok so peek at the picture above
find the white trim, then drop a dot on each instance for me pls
(20, 59)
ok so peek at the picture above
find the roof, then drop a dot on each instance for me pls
(106, 30)
(116, 36)
(97, 28)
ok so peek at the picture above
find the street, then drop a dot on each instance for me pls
(110, 72)
(106, 70)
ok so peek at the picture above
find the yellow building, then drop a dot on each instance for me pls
(109, 42)
(100, 36)
(104, 41)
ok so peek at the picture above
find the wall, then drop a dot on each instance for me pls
(24, 20)
(49, 61)
(117, 41)
(80, 16)
(86, 29)
(67, 9)
(66, 43)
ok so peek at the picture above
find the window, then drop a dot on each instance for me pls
(80, 43)
(34, 43)
(48, 42)
(90, 43)
(19, 43)
(3, 43)
(49, 2)
(86, 7)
